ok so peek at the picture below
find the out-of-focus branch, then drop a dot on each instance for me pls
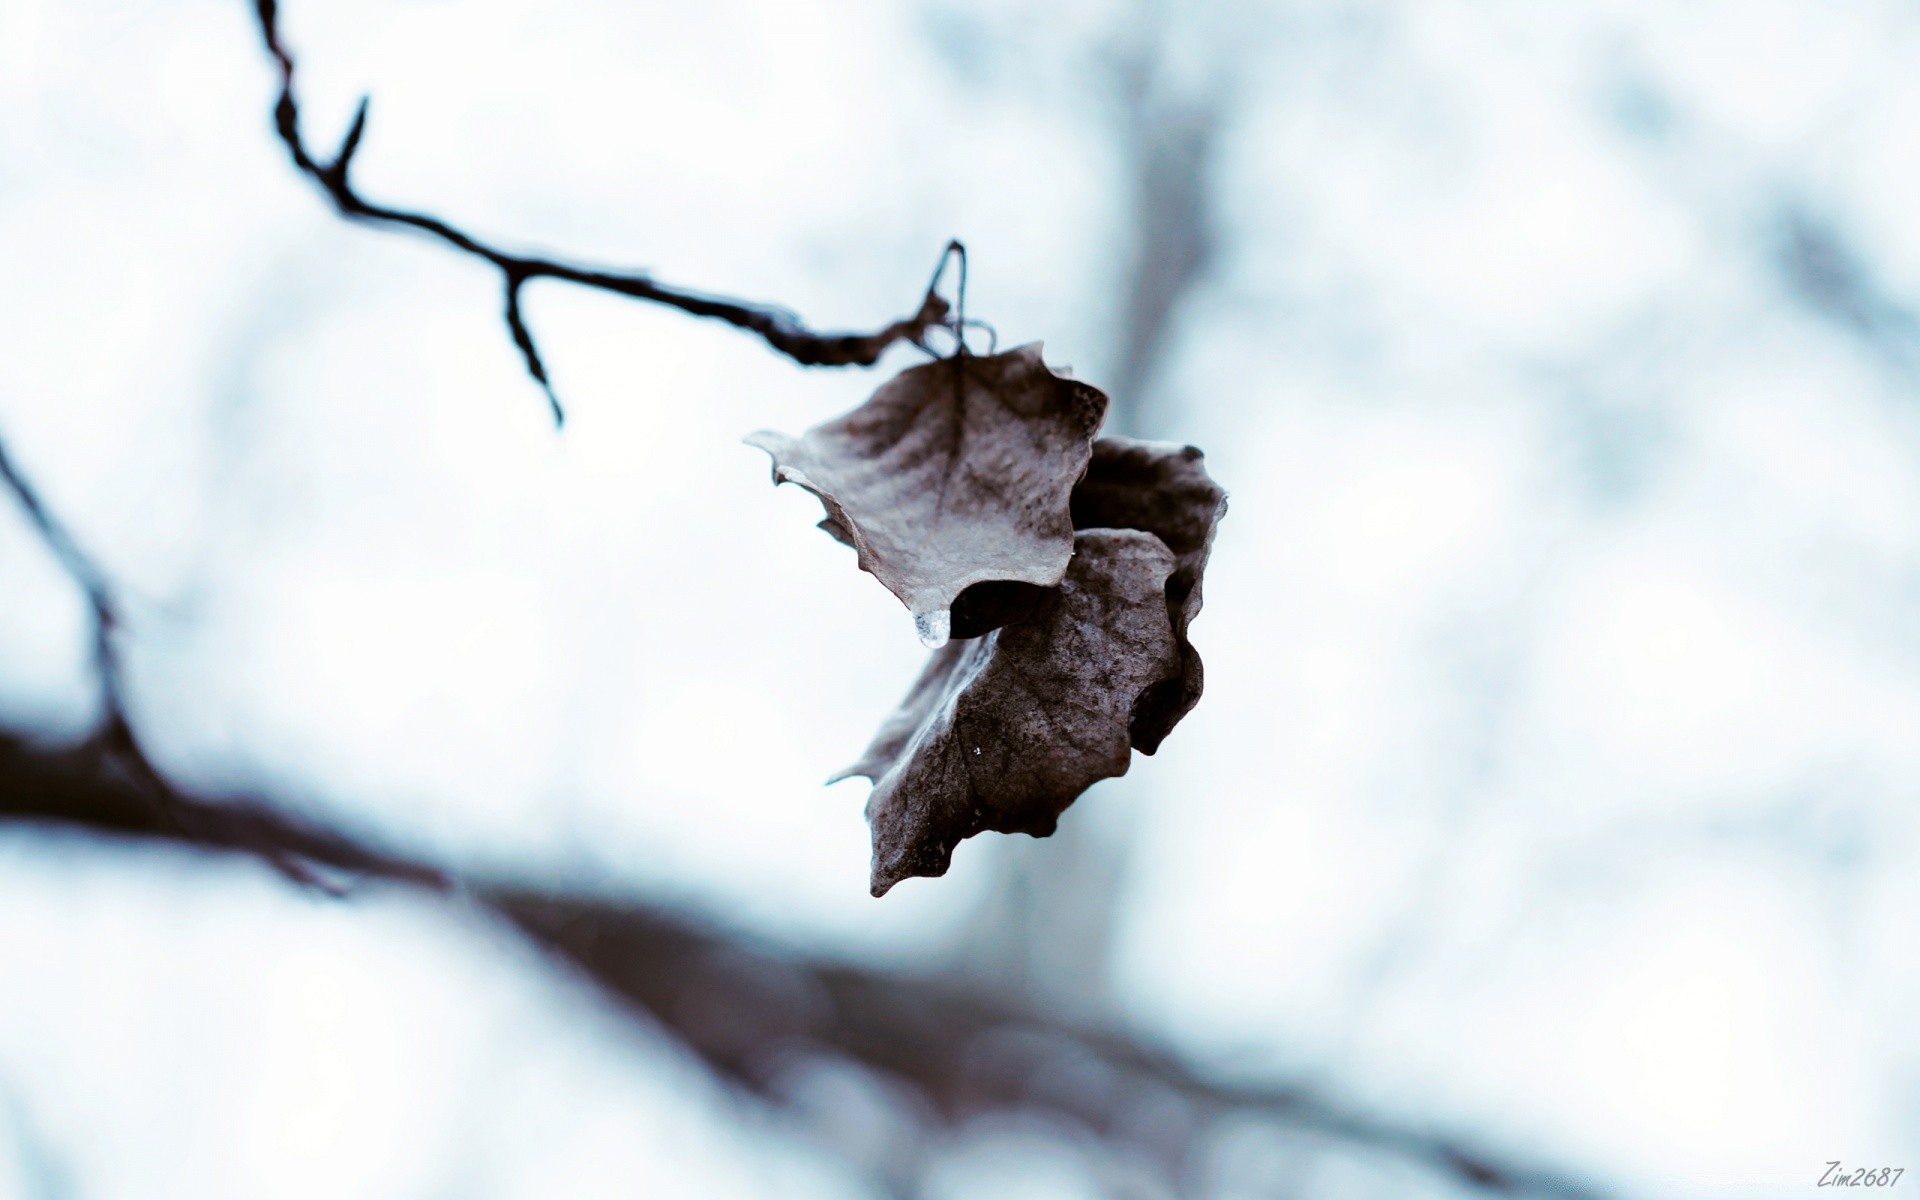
(1048, 922)
(751, 1012)
(1170, 143)
(1808, 246)
(779, 328)
(1827, 274)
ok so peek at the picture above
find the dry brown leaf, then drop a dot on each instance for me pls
(1164, 489)
(1004, 731)
(955, 473)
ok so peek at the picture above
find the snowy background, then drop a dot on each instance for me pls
(1558, 777)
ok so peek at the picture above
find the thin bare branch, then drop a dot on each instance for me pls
(779, 328)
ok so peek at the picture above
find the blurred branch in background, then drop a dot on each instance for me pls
(1050, 916)
(1827, 274)
(1810, 245)
(1170, 140)
(779, 328)
(757, 1016)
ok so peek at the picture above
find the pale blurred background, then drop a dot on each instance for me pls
(1556, 779)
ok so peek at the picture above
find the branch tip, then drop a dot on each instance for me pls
(523, 338)
(351, 142)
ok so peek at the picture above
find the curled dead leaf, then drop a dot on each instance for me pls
(1004, 731)
(1164, 489)
(1065, 570)
(955, 473)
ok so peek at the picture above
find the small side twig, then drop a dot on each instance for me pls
(778, 328)
(117, 749)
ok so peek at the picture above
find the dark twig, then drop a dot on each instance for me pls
(753, 1013)
(779, 328)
